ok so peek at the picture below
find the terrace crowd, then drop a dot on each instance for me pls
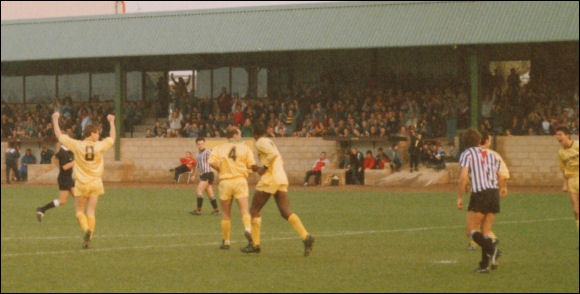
(434, 112)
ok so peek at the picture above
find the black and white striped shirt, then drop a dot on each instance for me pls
(203, 161)
(483, 168)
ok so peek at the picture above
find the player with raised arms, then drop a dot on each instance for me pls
(89, 168)
(273, 182)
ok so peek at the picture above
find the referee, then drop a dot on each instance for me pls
(206, 178)
(482, 168)
(64, 159)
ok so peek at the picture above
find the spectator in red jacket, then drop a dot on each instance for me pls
(187, 164)
(238, 116)
(369, 162)
(381, 159)
(317, 169)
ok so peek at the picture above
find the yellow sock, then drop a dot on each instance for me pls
(492, 236)
(82, 218)
(91, 222)
(247, 221)
(256, 224)
(294, 220)
(226, 226)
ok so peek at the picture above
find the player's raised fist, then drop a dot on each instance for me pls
(110, 117)
(55, 115)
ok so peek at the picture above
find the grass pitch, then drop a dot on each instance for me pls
(146, 241)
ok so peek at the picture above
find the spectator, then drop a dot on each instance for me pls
(513, 82)
(248, 129)
(381, 159)
(180, 87)
(238, 116)
(316, 169)
(369, 161)
(175, 119)
(439, 157)
(225, 101)
(396, 161)
(46, 155)
(451, 154)
(415, 150)
(149, 133)
(12, 155)
(27, 159)
(356, 167)
(187, 164)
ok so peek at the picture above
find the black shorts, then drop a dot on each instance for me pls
(485, 201)
(207, 177)
(65, 183)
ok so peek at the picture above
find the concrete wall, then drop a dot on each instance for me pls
(149, 160)
(3, 166)
(531, 160)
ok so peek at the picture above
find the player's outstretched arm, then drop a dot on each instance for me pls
(56, 127)
(113, 129)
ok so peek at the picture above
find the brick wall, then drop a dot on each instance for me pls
(532, 160)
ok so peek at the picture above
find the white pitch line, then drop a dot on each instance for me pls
(327, 234)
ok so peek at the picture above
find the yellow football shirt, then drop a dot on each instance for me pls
(568, 159)
(503, 169)
(234, 160)
(269, 156)
(89, 164)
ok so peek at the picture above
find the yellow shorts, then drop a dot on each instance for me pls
(94, 188)
(573, 185)
(233, 189)
(271, 188)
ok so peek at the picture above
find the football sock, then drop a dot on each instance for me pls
(226, 226)
(256, 224)
(82, 218)
(92, 222)
(213, 203)
(49, 205)
(492, 236)
(485, 247)
(294, 220)
(247, 220)
(199, 201)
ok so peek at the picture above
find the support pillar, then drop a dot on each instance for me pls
(120, 90)
(474, 87)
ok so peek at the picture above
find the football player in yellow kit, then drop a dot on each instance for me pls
(273, 182)
(233, 161)
(88, 170)
(568, 160)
